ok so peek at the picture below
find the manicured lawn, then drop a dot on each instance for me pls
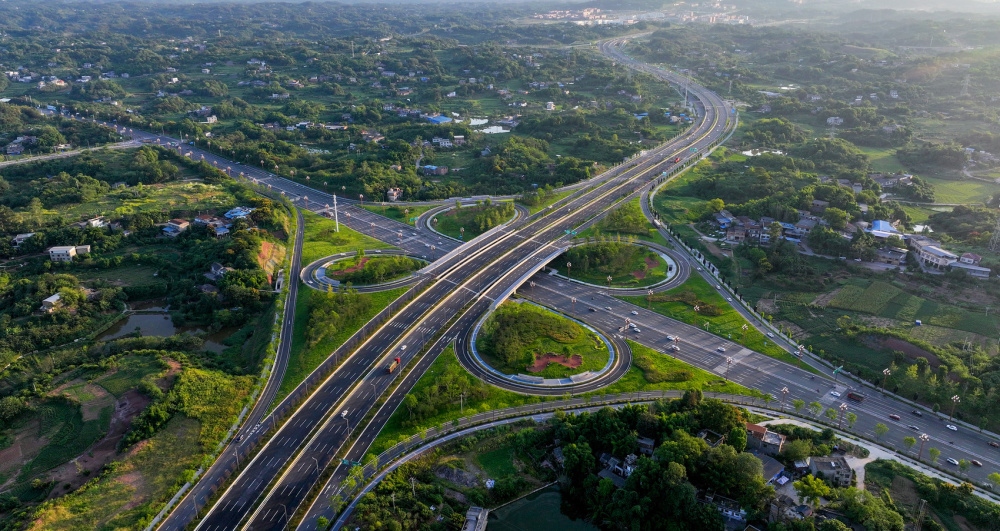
(452, 221)
(346, 268)
(304, 360)
(321, 239)
(883, 159)
(396, 429)
(644, 269)
(728, 323)
(400, 212)
(648, 363)
(584, 343)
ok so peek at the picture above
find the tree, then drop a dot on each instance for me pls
(880, 430)
(836, 217)
(737, 438)
(908, 442)
(963, 465)
(934, 453)
(812, 489)
(832, 525)
(716, 205)
(797, 449)
(578, 462)
(994, 478)
(815, 408)
(831, 414)
(851, 419)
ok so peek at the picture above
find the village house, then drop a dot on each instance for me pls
(175, 227)
(217, 271)
(21, 238)
(51, 304)
(891, 255)
(833, 470)
(66, 253)
(767, 441)
(394, 194)
(930, 252)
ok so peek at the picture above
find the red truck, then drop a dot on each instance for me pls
(392, 366)
(853, 395)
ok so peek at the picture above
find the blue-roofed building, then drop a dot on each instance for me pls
(438, 119)
(239, 213)
(883, 226)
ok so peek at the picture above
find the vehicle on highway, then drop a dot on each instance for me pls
(678, 159)
(670, 338)
(592, 309)
(770, 334)
(952, 460)
(856, 396)
(718, 286)
(952, 427)
(637, 330)
(976, 462)
(914, 428)
(674, 348)
(721, 349)
(994, 444)
(699, 268)
(917, 413)
(635, 312)
(343, 414)
(894, 417)
(608, 308)
(392, 366)
(730, 299)
(834, 394)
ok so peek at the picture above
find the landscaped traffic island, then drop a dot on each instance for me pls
(475, 219)
(522, 338)
(629, 265)
(364, 270)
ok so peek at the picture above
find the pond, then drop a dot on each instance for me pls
(159, 324)
(539, 510)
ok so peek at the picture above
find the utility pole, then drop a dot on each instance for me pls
(336, 220)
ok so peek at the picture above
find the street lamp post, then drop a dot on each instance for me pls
(373, 229)
(954, 402)
(843, 409)
(573, 301)
(649, 299)
(923, 439)
(729, 363)
(885, 376)
(609, 281)
(784, 393)
(569, 265)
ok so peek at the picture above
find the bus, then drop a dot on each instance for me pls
(854, 395)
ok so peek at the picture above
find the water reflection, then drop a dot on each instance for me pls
(540, 510)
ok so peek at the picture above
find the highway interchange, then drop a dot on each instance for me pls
(462, 284)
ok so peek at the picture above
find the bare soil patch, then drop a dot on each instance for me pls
(91, 409)
(543, 361)
(25, 447)
(75, 472)
(824, 299)
(352, 269)
(912, 351)
(639, 275)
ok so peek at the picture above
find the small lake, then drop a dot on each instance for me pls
(158, 324)
(494, 129)
(541, 510)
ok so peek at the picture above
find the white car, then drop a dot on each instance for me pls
(834, 394)
(730, 299)
(770, 334)
(635, 312)
(670, 338)
(721, 349)
(952, 427)
(953, 461)
(718, 286)
(636, 330)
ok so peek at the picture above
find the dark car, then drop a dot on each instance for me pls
(994, 444)
(894, 417)
(592, 309)
(917, 413)
(914, 428)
